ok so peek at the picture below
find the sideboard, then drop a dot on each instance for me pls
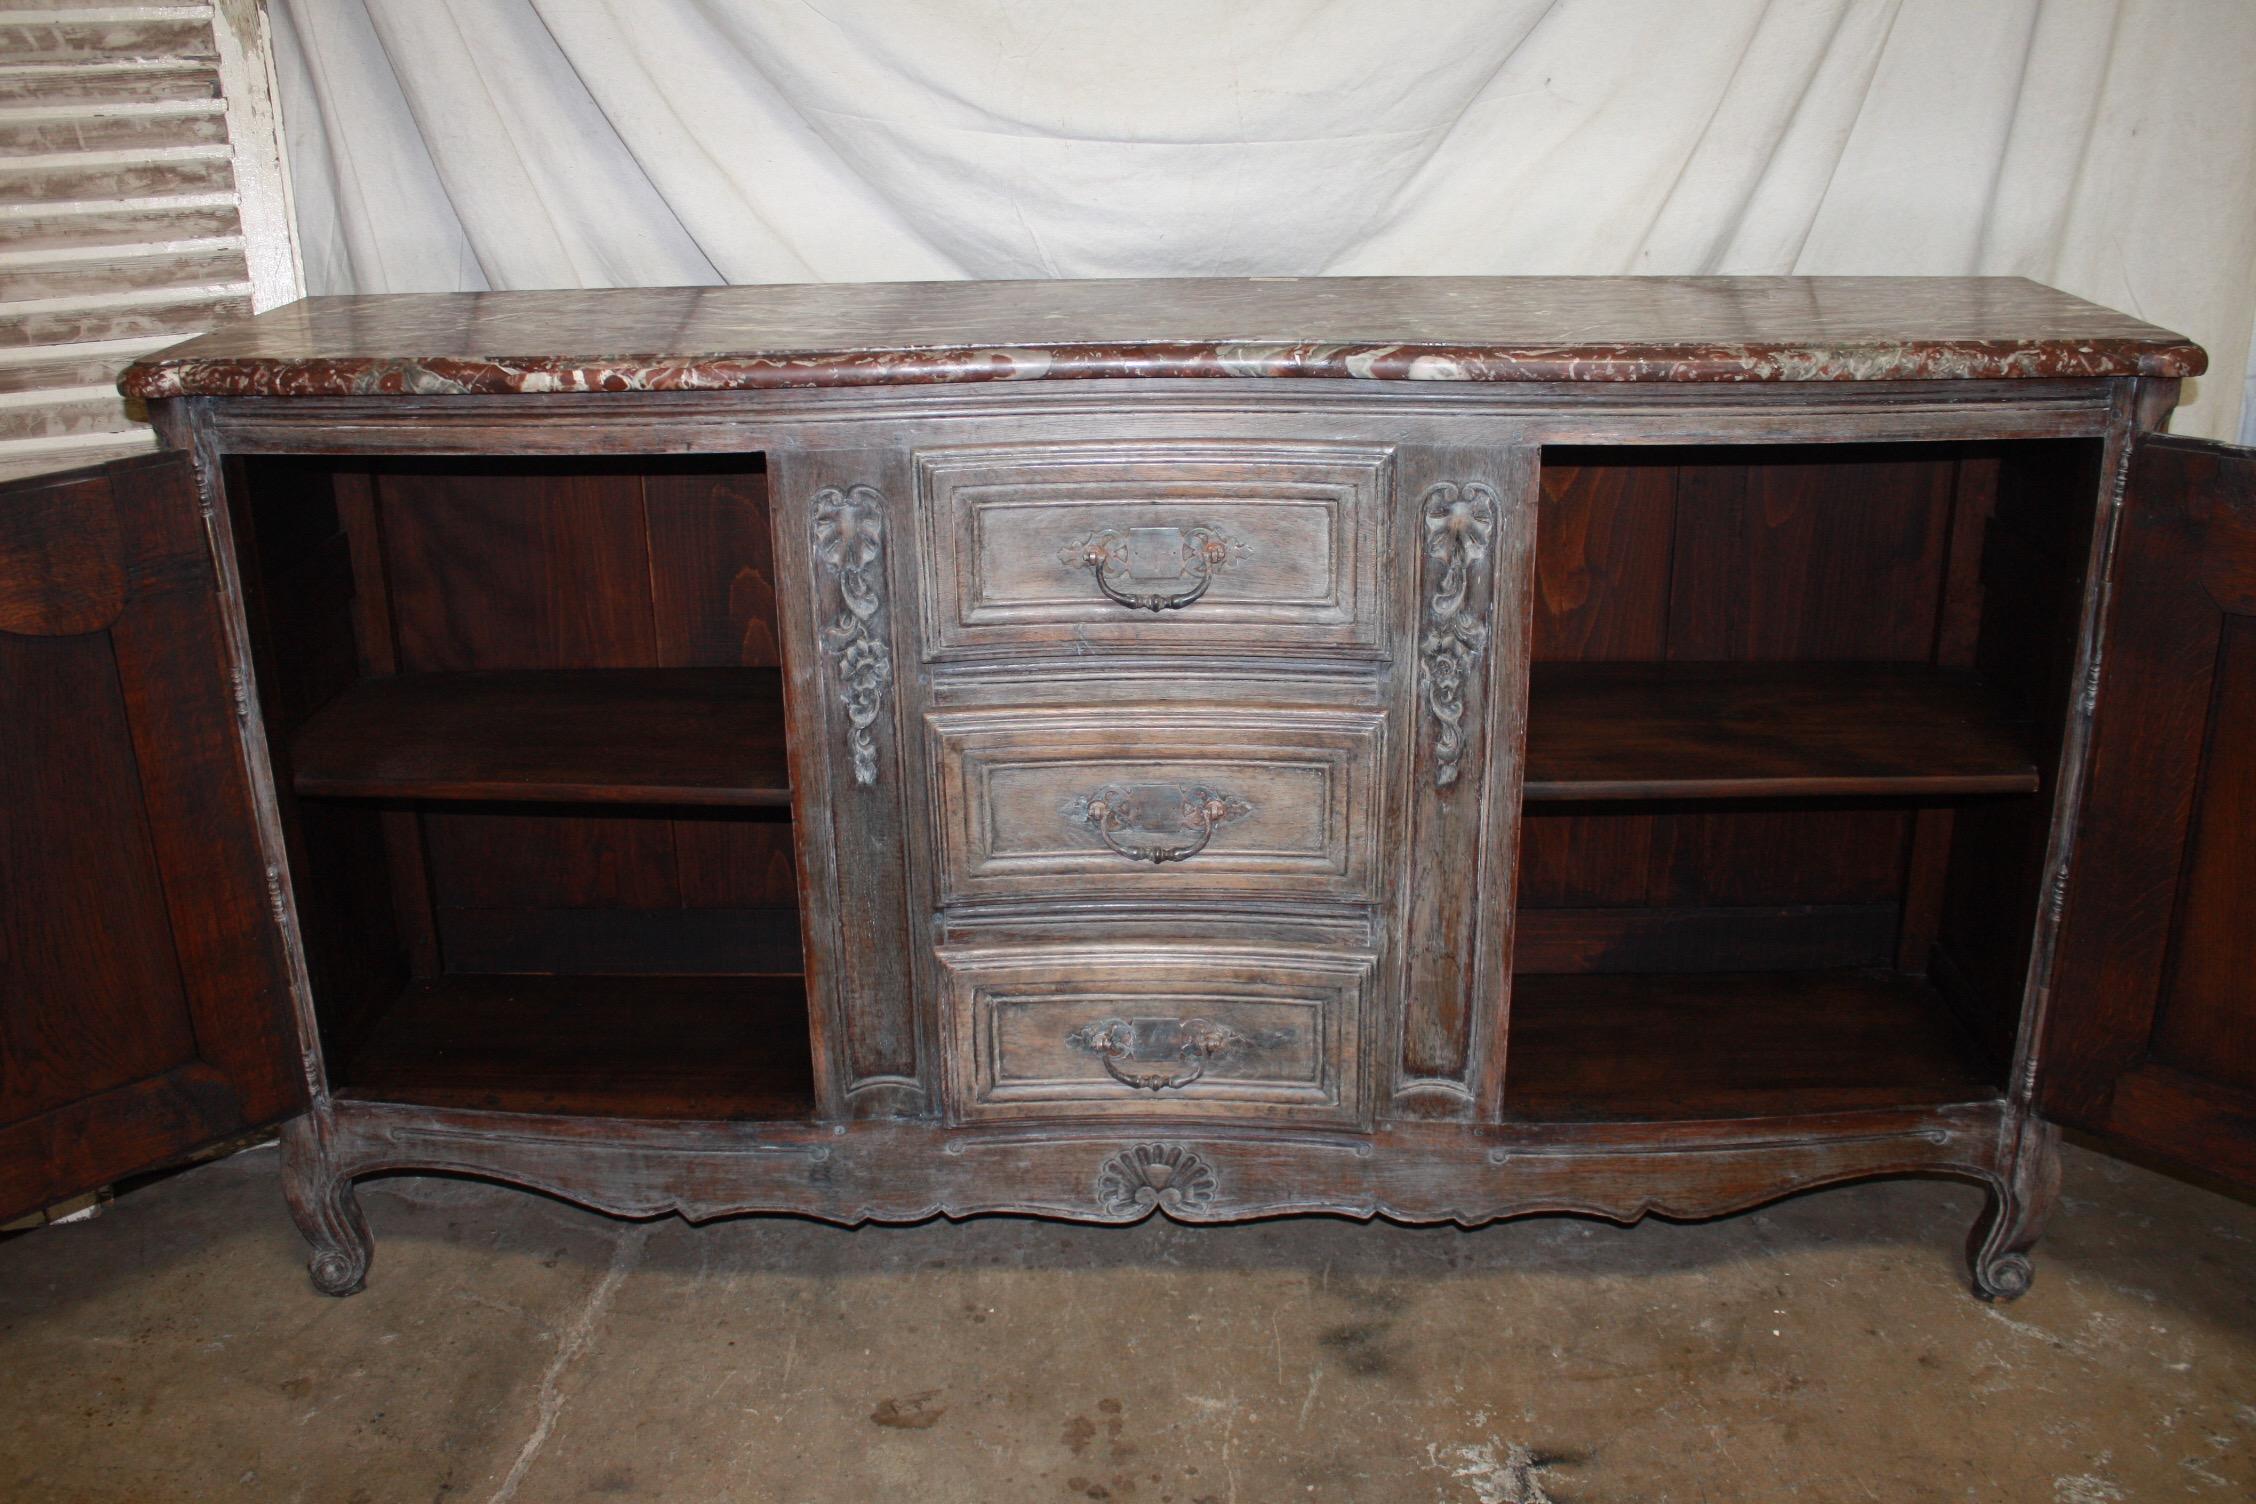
(1437, 749)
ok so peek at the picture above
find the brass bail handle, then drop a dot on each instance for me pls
(1204, 551)
(1203, 813)
(1111, 1041)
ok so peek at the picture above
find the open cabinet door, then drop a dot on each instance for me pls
(2151, 1032)
(143, 1008)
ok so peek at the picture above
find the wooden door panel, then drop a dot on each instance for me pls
(2208, 1025)
(2151, 1032)
(85, 916)
(62, 560)
(143, 1010)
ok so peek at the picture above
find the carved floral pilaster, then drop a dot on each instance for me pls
(849, 533)
(1459, 522)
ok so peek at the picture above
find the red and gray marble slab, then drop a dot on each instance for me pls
(1662, 329)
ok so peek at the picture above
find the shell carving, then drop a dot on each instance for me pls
(1168, 1177)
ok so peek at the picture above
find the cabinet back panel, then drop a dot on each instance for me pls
(517, 571)
(1959, 555)
(1819, 553)
(528, 564)
(583, 564)
(1832, 560)
(472, 564)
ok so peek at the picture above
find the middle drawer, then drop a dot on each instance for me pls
(1147, 801)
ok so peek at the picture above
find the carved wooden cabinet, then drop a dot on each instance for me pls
(1438, 749)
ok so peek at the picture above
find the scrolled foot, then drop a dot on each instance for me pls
(327, 1212)
(2006, 1277)
(2020, 1200)
(336, 1272)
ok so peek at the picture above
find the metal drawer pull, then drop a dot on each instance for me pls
(1142, 554)
(1113, 1040)
(1135, 808)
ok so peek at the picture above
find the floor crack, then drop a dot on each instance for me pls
(578, 1337)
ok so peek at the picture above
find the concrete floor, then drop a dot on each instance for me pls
(510, 1347)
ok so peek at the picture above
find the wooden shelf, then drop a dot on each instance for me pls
(1676, 1047)
(598, 736)
(632, 1047)
(1656, 731)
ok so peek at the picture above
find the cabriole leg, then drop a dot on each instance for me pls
(327, 1212)
(2020, 1200)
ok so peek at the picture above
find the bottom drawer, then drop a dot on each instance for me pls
(1126, 1031)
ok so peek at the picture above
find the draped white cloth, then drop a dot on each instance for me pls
(2104, 146)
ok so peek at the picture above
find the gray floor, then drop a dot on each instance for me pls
(510, 1347)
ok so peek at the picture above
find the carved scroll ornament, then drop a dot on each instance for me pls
(849, 527)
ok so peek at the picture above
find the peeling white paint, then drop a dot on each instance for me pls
(2085, 1488)
(2201, 1470)
(1491, 1473)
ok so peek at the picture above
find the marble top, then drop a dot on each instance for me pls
(1732, 329)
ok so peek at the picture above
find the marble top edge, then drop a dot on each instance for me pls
(1468, 329)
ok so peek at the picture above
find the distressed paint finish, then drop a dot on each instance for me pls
(1437, 329)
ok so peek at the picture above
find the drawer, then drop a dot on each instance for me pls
(1250, 1031)
(1228, 548)
(1144, 800)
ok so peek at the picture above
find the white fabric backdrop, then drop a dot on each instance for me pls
(2104, 146)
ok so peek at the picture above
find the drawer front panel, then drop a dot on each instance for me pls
(1144, 801)
(1152, 1031)
(1175, 547)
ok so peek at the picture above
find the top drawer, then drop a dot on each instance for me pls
(1190, 547)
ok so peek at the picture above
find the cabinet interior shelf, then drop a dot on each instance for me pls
(691, 736)
(1660, 731)
(1675, 1047)
(1596, 732)
(717, 1048)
